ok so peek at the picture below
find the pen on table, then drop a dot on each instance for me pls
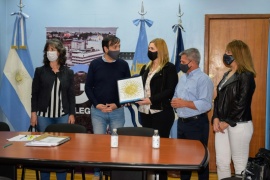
(30, 137)
(23, 137)
(9, 144)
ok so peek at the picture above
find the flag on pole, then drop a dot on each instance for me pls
(140, 56)
(15, 89)
(178, 46)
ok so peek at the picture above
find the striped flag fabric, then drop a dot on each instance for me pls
(15, 89)
(140, 56)
(178, 46)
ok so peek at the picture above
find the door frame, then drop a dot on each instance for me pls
(208, 18)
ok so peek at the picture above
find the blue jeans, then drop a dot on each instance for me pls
(101, 120)
(43, 122)
(46, 176)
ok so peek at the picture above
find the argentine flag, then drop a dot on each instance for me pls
(15, 89)
(140, 56)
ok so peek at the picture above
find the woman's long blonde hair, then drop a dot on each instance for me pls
(242, 56)
(163, 53)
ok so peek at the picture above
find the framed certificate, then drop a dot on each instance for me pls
(130, 89)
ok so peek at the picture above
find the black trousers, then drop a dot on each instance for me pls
(162, 121)
(195, 129)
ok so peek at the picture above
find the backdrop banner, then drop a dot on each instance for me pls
(83, 45)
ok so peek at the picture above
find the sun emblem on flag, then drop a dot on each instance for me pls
(130, 89)
(20, 76)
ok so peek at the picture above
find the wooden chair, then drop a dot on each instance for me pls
(63, 128)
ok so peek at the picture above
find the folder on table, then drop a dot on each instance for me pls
(48, 140)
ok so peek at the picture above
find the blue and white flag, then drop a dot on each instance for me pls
(15, 89)
(140, 56)
(178, 46)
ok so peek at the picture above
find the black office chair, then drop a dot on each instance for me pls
(135, 131)
(129, 131)
(4, 178)
(7, 172)
(63, 128)
(4, 126)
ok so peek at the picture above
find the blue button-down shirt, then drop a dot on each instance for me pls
(197, 87)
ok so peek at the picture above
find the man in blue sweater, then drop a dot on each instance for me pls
(101, 88)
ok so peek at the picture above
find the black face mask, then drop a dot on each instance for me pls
(152, 55)
(114, 54)
(227, 59)
(184, 67)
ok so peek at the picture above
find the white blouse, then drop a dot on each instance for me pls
(147, 91)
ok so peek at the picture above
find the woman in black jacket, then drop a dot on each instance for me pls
(232, 120)
(159, 79)
(53, 98)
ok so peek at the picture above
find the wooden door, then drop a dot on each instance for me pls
(253, 30)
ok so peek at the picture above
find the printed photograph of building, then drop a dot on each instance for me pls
(83, 44)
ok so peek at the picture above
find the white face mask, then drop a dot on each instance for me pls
(52, 55)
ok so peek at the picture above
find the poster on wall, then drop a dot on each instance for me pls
(83, 45)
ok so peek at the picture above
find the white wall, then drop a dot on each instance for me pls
(118, 13)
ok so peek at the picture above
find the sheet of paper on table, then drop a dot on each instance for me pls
(23, 137)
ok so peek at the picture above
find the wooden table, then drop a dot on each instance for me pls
(93, 150)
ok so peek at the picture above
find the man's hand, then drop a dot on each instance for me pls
(107, 107)
(111, 107)
(177, 103)
(101, 106)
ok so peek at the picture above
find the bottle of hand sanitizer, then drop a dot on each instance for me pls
(156, 139)
(114, 138)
